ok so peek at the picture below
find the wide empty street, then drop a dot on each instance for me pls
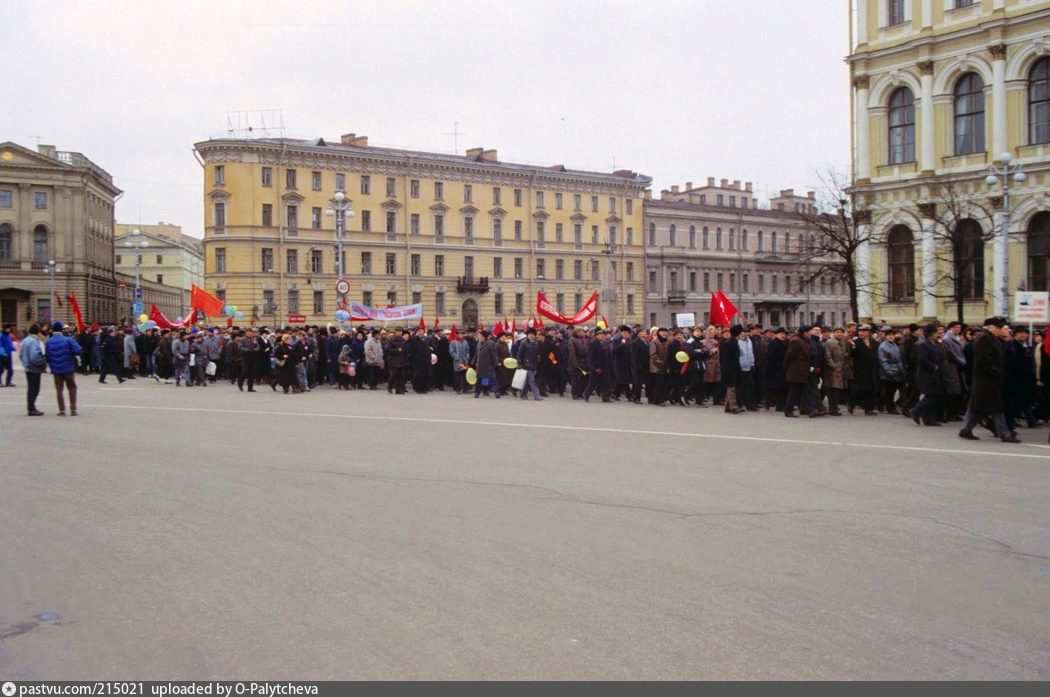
(202, 533)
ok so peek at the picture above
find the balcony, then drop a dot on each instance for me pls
(676, 297)
(470, 284)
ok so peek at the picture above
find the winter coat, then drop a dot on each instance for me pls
(180, 351)
(621, 360)
(796, 361)
(212, 347)
(419, 354)
(776, 379)
(488, 359)
(639, 360)
(578, 354)
(890, 367)
(986, 391)
(61, 354)
(835, 363)
(729, 362)
(674, 347)
(374, 351)
(504, 375)
(954, 364)
(1020, 374)
(865, 365)
(714, 367)
(598, 359)
(657, 356)
(528, 355)
(459, 351)
(129, 349)
(929, 367)
(31, 353)
(396, 352)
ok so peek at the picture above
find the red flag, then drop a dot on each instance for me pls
(422, 323)
(514, 325)
(205, 302)
(453, 335)
(95, 326)
(722, 309)
(480, 326)
(437, 322)
(605, 322)
(58, 299)
(229, 321)
(498, 328)
(76, 311)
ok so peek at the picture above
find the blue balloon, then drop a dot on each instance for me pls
(178, 320)
(230, 312)
(239, 315)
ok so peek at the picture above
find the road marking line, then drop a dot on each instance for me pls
(592, 429)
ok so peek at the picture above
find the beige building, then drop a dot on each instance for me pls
(169, 257)
(942, 89)
(55, 206)
(715, 237)
(470, 237)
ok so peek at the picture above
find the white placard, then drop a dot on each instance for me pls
(1031, 306)
(685, 320)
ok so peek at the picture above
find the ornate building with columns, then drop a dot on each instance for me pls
(470, 237)
(941, 89)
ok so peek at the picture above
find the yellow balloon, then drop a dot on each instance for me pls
(510, 363)
(682, 357)
(472, 376)
(143, 319)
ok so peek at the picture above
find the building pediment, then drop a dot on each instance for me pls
(469, 210)
(440, 208)
(614, 219)
(391, 205)
(13, 154)
(541, 215)
(497, 212)
(578, 218)
(293, 197)
(219, 195)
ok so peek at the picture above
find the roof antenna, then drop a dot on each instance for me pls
(456, 133)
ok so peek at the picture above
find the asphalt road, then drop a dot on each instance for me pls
(175, 533)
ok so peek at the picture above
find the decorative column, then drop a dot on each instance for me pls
(861, 85)
(927, 150)
(928, 211)
(862, 22)
(927, 13)
(999, 144)
(865, 307)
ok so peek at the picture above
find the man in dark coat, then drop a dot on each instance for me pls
(599, 364)
(487, 365)
(986, 393)
(621, 354)
(910, 336)
(929, 376)
(419, 354)
(640, 364)
(395, 356)
(1019, 383)
(865, 371)
(729, 361)
(577, 359)
(797, 367)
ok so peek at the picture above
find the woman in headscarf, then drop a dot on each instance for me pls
(285, 360)
(345, 361)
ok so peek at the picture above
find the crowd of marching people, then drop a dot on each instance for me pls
(993, 375)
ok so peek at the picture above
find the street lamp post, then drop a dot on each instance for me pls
(996, 175)
(135, 244)
(52, 269)
(342, 208)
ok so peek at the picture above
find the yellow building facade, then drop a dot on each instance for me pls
(941, 89)
(471, 238)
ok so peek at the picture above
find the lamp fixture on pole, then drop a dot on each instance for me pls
(1005, 174)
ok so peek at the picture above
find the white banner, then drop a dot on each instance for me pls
(360, 312)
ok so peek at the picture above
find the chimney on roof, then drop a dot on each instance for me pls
(736, 184)
(647, 194)
(674, 189)
(47, 150)
(474, 153)
(747, 187)
(354, 140)
(710, 181)
(725, 184)
(688, 186)
(489, 156)
(665, 195)
(811, 195)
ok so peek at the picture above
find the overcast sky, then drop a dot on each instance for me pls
(755, 90)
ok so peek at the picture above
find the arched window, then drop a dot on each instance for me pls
(1039, 252)
(774, 247)
(674, 236)
(969, 114)
(761, 242)
(707, 238)
(970, 258)
(787, 243)
(902, 126)
(900, 253)
(6, 237)
(692, 237)
(40, 251)
(743, 239)
(652, 234)
(732, 239)
(1039, 102)
(718, 238)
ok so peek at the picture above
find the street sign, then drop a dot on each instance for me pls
(136, 308)
(296, 319)
(1031, 306)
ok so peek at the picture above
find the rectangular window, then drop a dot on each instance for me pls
(720, 200)
(366, 263)
(519, 303)
(557, 201)
(652, 281)
(518, 267)
(366, 221)
(630, 271)
(577, 270)
(720, 280)
(220, 175)
(293, 302)
(269, 306)
(267, 176)
(8, 255)
(630, 237)
(497, 230)
(315, 181)
(577, 202)
(630, 304)
(220, 214)
(559, 270)
(594, 234)
(416, 264)
(293, 217)
(417, 297)
(630, 206)
(391, 222)
(391, 264)
(43, 310)
(497, 300)
(541, 233)
(414, 223)
(894, 12)
(366, 184)
(595, 269)
(439, 302)
(439, 265)
(267, 215)
(220, 294)
(289, 178)
(468, 229)
(315, 218)
(468, 267)
(761, 283)
(732, 201)
(673, 280)
(745, 283)
(340, 182)
(220, 260)
(267, 260)
(612, 204)
(366, 298)
(558, 232)
(497, 267)
(318, 302)
(559, 301)
(773, 287)
(612, 235)
(541, 268)
(413, 188)
(692, 281)
(316, 261)
(495, 196)
(517, 198)
(439, 190)
(160, 258)
(439, 226)
(468, 193)
(517, 230)
(594, 204)
(391, 186)
(577, 235)
(539, 199)
(292, 260)
(577, 300)
(6, 198)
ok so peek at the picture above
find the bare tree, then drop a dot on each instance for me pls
(837, 233)
(960, 233)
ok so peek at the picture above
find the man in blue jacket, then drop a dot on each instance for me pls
(7, 354)
(32, 355)
(61, 357)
